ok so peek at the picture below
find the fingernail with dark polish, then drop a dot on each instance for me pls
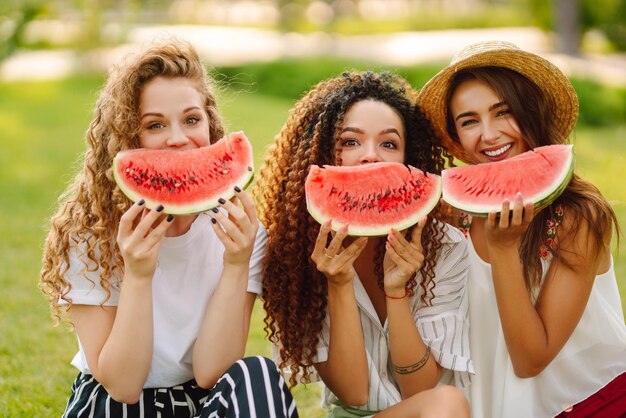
(160, 208)
(141, 202)
(170, 218)
(221, 200)
(213, 220)
(237, 189)
(215, 210)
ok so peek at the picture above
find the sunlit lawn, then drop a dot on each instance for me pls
(41, 131)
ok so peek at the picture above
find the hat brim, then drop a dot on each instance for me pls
(555, 85)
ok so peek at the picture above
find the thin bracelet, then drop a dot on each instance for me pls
(406, 291)
(413, 367)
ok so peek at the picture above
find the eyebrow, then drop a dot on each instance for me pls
(472, 113)
(360, 131)
(161, 114)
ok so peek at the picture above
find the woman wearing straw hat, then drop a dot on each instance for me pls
(547, 332)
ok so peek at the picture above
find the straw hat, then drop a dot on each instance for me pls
(555, 85)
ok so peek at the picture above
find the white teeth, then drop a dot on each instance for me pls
(499, 151)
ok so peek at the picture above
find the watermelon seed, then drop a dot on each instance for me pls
(249, 168)
(225, 171)
(192, 178)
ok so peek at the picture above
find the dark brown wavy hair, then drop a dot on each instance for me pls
(90, 208)
(583, 200)
(294, 291)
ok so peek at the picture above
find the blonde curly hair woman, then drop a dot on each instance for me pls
(160, 304)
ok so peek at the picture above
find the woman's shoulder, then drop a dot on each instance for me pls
(451, 233)
(583, 214)
(575, 229)
(454, 246)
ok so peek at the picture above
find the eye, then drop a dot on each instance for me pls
(192, 120)
(503, 112)
(155, 125)
(349, 142)
(389, 144)
(468, 122)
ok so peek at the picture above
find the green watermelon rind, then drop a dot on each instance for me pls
(541, 200)
(383, 230)
(186, 209)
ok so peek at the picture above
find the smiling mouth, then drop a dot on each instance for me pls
(498, 152)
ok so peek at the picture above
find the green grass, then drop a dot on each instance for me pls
(42, 127)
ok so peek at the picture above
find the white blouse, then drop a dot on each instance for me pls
(593, 356)
(443, 327)
(188, 271)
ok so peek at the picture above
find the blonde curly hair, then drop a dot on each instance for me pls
(90, 208)
(294, 291)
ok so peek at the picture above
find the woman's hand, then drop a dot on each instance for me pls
(336, 262)
(505, 232)
(238, 230)
(139, 237)
(402, 259)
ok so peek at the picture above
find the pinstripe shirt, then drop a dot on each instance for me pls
(443, 326)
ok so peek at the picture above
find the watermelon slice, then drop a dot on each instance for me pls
(540, 175)
(371, 198)
(189, 181)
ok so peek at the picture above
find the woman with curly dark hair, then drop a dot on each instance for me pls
(382, 320)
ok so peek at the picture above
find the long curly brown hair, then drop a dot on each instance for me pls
(294, 291)
(90, 208)
(531, 109)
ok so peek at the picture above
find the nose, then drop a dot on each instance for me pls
(178, 137)
(370, 153)
(490, 131)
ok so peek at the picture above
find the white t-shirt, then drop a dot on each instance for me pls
(594, 354)
(188, 270)
(443, 327)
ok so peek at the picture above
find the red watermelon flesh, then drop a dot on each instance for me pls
(371, 198)
(188, 181)
(540, 175)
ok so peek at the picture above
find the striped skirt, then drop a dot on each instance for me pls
(252, 387)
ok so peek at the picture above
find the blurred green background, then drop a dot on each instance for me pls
(43, 121)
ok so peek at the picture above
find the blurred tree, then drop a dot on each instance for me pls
(607, 16)
(292, 13)
(14, 17)
(567, 25)
(92, 13)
